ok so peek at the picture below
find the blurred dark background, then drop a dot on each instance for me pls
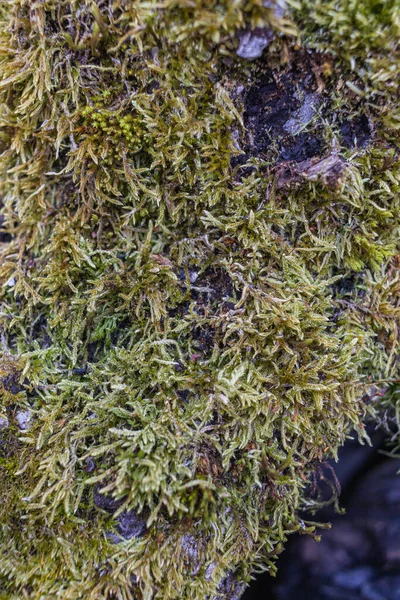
(359, 557)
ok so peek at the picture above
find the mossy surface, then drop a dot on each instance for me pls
(193, 315)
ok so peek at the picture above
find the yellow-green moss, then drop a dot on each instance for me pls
(199, 335)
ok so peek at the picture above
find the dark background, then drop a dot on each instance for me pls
(359, 557)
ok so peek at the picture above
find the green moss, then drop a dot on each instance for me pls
(203, 337)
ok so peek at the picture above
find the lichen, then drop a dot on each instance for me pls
(188, 336)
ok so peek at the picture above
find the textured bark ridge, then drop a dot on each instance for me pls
(199, 283)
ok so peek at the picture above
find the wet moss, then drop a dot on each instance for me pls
(191, 337)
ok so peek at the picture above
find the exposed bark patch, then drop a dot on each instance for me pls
(286, 111)
(11, 383)
(279, 106)
(129, 523)
(356, 132)
(329, 171)
(213, 286)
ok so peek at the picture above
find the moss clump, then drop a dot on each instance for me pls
(191, 338)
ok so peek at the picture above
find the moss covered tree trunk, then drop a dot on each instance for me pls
(199, 282)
